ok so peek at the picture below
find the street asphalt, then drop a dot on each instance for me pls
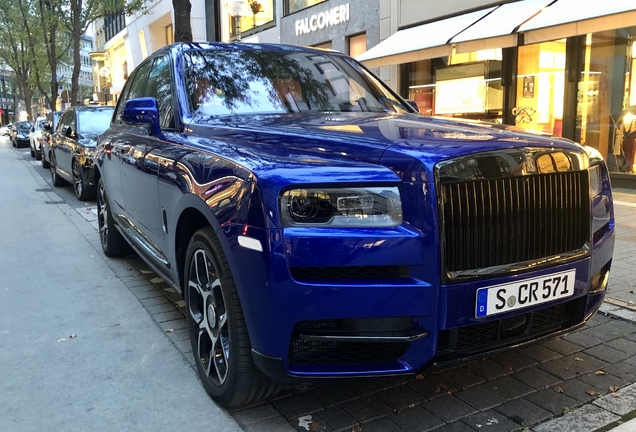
(130, 366)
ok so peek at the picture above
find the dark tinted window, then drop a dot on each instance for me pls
(160, 87)
(23, 126)
(223, 82)
(134, 88)
(66, 120)
(94, 122)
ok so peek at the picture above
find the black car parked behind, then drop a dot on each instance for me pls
(73, 146)
(21, 136)
(49, 126)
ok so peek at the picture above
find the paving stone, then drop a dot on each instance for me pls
(366, 386)
(597, 319)
(168, 316)
(607, 353)
(552, 401)
(631, 360)
(489, 369)
(381, 425)
(430, 386)
(448, 408)
(536, 378)
(614, 329)
(367, 408)
(622, 370)
(583, 339)
(155, 301)
(337, 418)
(562, 346)
(560, 369)
(149, 294)
(509, 387)
(578, 390)
(297, 405)
(631, 337)
(400, 397)
(335, 394)
(523, 412)
(603, 382)
(621, 405)
(278, 424)
(162, 308)
(460, 378)
(586, 418)
(255, 414)
(312, 422)
(457, 426)
(416, 419)
(582, 363)
(491, 421)
(623, 345)
(514, 359)
(540, 353)
(480, 397)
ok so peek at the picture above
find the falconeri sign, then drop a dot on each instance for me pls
(332, 17)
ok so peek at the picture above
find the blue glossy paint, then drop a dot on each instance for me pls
(232, 170)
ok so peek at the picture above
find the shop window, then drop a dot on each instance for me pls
(296, 5)
(326, 45)
(258, 13)
(541, 87)
(606, 99)
(357, 45)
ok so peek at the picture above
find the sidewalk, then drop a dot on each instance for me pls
(78, 351)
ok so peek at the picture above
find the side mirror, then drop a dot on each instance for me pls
(32, 129)
(414, 105)
(142, 111)
(46, 128)
(69, 132)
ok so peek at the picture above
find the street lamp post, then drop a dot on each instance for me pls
(236, 8)
(104, 72)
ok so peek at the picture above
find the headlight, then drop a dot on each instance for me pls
(342, 207)
(596, 180)
(86, 151)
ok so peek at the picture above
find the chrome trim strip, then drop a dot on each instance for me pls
(338, 338)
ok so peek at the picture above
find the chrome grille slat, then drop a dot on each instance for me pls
(495, 222)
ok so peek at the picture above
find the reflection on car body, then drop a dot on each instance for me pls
(318, 227)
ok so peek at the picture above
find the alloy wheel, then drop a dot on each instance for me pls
(78, 184)
(102, 214)
(207, 309)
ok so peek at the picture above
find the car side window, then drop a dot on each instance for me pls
(63, 122)
(160, 87)
(135, 88)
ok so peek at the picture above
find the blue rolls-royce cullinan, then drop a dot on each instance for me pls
(317, 226)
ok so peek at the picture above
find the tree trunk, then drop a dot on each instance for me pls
(76, 34)
(182, 23)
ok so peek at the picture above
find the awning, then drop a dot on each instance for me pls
(567, 18)
(498, 29)
(420, 43)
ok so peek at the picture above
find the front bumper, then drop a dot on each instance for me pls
(284, 305)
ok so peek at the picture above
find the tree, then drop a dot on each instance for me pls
(182, 23)
(15, 51)
(80, 14)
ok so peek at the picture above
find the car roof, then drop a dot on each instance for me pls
(221, 46)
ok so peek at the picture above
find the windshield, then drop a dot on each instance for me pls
(23, 127)
(94, 122)
(224, 82)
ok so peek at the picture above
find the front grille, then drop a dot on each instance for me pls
(349, 272)
(480, 338)
(306, 352)
(495, 222)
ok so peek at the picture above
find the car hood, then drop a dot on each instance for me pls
(414, 142)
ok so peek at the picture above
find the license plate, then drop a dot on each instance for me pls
(529, 292)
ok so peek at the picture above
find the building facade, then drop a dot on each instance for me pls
(560, 67)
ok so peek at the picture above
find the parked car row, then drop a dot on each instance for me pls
(318, 227)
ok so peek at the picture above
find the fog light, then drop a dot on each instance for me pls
(600, 281)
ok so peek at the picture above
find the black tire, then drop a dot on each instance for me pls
(83, 192)
(14, 144)
(45, 163)
(32, 152)
(113, 243)
(217, 325)
(57, 180)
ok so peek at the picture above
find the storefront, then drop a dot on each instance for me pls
(347, 26)
(552, 67)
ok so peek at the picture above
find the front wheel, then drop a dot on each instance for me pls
(82, 191)
(218, 333)
(57, 180)
(45, 163)
(32, 153)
